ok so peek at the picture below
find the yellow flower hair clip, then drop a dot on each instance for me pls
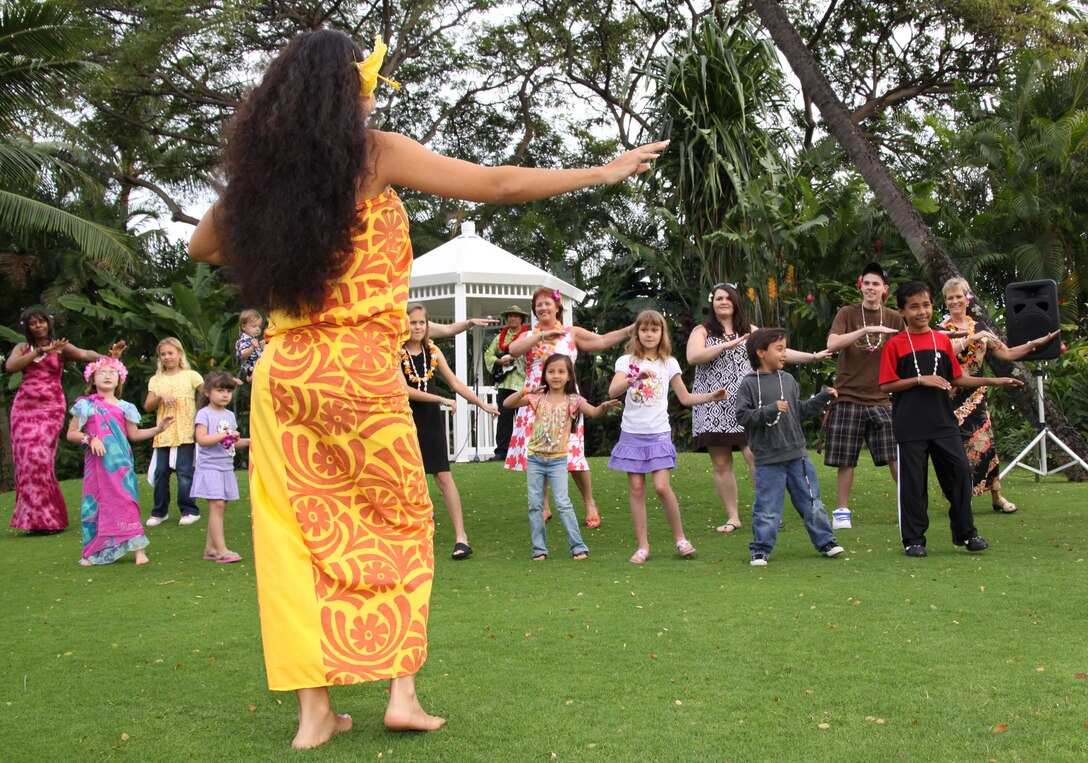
(368, 69)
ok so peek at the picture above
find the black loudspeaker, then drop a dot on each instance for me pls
(1031, 311)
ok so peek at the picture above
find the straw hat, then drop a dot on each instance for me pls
(515, 310)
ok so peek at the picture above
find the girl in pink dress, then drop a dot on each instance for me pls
(104, 425)
(37, 416)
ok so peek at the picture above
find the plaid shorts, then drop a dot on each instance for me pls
(848, 424)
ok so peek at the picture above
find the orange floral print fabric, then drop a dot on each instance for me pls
(342, 527)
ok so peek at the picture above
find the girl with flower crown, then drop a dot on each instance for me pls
(342, 523)
(420, 360)
(646, 372)
(104, 426)
(549, 337)
(37, 418)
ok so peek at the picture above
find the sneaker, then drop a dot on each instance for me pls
(975, 543)
(154, 521)
(840, 519)
(188, 519)
(758, 560)
(915, 550)
(831, 549)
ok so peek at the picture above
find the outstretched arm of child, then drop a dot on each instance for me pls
(446, 330)
(461, 388)
(135, 434)
(986, 381)
(691, 399)
(519, 398)
(593, 411)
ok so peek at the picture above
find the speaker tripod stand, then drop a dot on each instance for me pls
(1040, 442)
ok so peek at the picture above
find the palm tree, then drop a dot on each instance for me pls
(935, 261)
(39, 63)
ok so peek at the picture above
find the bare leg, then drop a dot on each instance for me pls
(216, 542)
(317, 723)
(721, 459)
(637, 485)
(141, 557)
(663, 488)
(585, 486)
(453, 504)
(404, 712)
(846, 483)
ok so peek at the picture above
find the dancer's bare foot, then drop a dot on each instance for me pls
(141, 557)
(411, 717)
(324, 728)
(84, 563)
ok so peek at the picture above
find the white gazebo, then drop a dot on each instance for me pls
(469, 277)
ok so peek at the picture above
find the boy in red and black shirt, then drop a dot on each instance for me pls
(918, 368)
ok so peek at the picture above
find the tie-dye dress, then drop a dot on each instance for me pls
(342, 527)
(110, 512)
(37, 417)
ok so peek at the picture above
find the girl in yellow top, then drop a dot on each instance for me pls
(172, 392)
(314, 233)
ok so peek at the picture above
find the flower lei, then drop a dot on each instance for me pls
(429, 364)
(972, 344)
(105, 362)
(545, 348)
(505, 345)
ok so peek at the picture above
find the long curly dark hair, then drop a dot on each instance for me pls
(296, 153)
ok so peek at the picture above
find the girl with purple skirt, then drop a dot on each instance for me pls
(645, 445)
(216, 435)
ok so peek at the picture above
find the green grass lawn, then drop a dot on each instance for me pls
(870, 656)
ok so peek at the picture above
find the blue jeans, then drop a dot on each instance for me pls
(184, 471)
(551, 471)
(772, 481)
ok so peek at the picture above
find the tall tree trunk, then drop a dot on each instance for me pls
(935, 262)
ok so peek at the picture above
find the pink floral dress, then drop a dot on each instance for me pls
(523, 422)
(37, 417)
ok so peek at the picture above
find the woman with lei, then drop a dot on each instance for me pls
(420, 359)
(971, 409)
(718, 350)
(549, 337)
(37, 417)
(342, 522)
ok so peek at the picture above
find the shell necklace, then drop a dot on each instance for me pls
(781, 396)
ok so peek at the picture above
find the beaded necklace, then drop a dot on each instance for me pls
(781, 396)
(917, 370)
(428, 362)
(869, 346)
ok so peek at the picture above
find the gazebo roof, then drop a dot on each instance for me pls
(470, 259)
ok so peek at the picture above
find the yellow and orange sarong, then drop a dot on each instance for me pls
(342, 522)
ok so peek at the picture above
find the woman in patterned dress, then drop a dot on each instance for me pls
(37, 417)
(718, 350)
(972, 412)
(312, 231)
(549, 337)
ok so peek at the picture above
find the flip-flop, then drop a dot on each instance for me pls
(229, 558)
(728, 528)
(540, 558)
(461, 551)
(593, 522)
(579, 557)
(209, 557)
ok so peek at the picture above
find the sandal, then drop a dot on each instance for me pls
(639, 556)
(728, 527)
(580, 556)
(1005, 506)
(540, 557)
(685, 548)
(461, 551)
(593, 522)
